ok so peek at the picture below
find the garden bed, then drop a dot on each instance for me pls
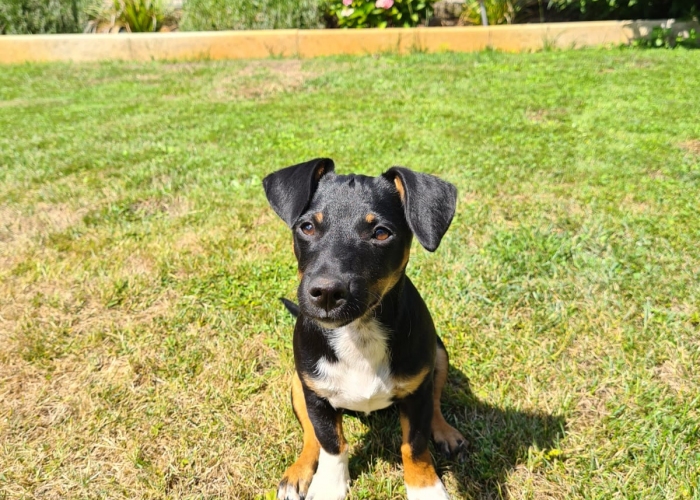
(312, 43)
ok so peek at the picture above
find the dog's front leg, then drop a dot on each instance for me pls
(422, 482)
(325, 451)
(297, 479)
(332, 476)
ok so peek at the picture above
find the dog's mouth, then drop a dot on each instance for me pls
(333, 319)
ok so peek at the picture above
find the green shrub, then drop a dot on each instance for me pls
(138, 16)
(42, 16)
(497, 11)
(205, 15)
(628, 9)
(379, 13)
(664, 38)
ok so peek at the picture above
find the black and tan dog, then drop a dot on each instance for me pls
(364, 338)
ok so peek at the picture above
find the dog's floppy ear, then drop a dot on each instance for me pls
(289, 190)
(428, 202)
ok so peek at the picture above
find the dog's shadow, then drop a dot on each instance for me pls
(498, 439)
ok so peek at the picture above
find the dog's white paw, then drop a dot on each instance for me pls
(287, 492)
(434, 492)
(331, 479)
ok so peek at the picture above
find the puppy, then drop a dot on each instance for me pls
(364, 339)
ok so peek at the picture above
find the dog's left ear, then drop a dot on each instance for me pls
(289, 190)
(428, 202)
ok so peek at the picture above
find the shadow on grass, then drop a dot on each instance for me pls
(498, 439)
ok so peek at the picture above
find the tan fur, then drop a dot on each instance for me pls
(418, 471)
(319, 172)
(370, 218)
(406, 255)
(302, 471)
(408, 385)
(310, 383)
(400, 188)
(442, 431)
(382, 286)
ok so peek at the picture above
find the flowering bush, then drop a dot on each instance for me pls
(379, 13)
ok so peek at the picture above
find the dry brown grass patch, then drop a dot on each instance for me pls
(17, 225)
(692, 146)
(543, 115)
(173, 207)
(524, 483)
(260, 79)
(672, 374)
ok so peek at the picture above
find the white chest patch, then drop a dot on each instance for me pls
(361, 378)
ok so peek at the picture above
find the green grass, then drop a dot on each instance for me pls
(144, 352)
(206, 15)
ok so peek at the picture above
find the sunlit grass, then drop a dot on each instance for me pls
(144, 351)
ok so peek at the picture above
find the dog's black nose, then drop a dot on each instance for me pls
(328, 294)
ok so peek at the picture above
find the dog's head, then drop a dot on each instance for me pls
(352, 233)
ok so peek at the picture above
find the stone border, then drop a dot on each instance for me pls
(312, 43)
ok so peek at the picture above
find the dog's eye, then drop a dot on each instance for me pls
(307, 228)
(381, 233)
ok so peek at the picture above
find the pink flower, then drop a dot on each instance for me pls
(384, 4)
(347, 3)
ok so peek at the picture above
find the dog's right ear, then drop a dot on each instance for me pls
(289, 190)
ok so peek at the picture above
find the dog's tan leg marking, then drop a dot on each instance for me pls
(295, 482)
(422, 482)
(448, 440)
(418, 471)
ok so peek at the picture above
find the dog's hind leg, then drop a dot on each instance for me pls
(297, 479)
(448, 440)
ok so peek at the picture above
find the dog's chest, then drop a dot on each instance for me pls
(361, 379)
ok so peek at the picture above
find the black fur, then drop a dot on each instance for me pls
(429, 205)
(290, 189)
(352, 236)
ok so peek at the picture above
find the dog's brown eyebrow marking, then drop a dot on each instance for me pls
(318, 217)
(370, 218)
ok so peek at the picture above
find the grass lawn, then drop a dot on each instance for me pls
(144, 353)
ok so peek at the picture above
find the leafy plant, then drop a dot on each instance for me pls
(139, 16)
(41, 16)
(497, 11)
(664, 38)
(379, 13)
(627, 9)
